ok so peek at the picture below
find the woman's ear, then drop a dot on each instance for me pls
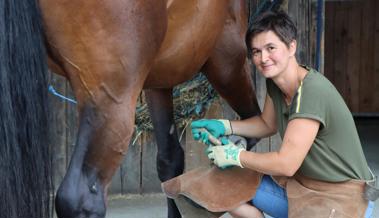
(292, 47)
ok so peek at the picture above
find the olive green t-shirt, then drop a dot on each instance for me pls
(336, 154)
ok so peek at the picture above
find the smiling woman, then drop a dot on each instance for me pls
(316, 156)
(270, 55)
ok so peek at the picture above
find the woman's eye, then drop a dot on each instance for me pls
(271, 48)
(255, 52)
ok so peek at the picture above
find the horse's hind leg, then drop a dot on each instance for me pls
(170, 157)
(228, 71)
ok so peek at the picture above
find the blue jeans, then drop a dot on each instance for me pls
(370, 210)
(272, 199)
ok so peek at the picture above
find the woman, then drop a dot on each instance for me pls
(320, 154)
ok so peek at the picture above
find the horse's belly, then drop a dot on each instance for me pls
(173, 71)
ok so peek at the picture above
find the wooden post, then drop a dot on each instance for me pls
(284, 6)
(63, 127)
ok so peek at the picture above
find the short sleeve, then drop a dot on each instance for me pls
(310, 102)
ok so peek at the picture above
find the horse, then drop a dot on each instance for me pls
(112, 50)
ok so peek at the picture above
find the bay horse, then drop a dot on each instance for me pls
(110, 51)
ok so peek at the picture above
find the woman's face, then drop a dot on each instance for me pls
(270, 55)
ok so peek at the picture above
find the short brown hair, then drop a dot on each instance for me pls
(279, 22)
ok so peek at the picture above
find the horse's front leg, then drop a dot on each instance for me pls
(106, 126)
(170, 157)
(227, 68)
(106, 51)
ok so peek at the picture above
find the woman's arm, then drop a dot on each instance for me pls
(297, 141)
(258, 126)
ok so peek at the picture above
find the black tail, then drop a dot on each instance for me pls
(25, 164)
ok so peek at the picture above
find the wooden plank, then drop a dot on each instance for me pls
(299, 12)
(340, 28)
(293, 10)
(71, 122)
(376, 58)
(366, 86)
(115, 187)
(127, 179)
(284, 5)
(322, 43)
(329, 40)
(353, 53)
(313, 34)
(57, 130)
(305, 20)
(130, 169)
(150, 182)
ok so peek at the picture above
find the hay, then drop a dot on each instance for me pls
(191, 100)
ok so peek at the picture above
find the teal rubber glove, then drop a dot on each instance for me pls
(205, 137)
(217, 128)
(225, 156)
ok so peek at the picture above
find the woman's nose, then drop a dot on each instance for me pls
(265, 56)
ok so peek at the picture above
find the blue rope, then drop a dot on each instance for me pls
(54, 92)
(319, 33)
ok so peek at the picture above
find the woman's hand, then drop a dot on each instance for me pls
(217, 128)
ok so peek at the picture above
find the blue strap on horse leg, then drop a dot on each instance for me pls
(54, 92)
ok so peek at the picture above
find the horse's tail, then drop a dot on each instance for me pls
(25, 161)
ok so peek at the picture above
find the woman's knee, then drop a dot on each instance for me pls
(271, 198)
(246, 211)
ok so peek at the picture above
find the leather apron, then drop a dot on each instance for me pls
(318, 199)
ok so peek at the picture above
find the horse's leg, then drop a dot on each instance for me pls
(227, 68)
(170, 157)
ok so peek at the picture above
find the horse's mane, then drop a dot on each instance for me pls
(25, 160)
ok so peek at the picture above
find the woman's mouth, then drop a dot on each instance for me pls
(266, 67)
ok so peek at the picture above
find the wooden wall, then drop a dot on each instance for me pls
(137, 174)
(352, 52)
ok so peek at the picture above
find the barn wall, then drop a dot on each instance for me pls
(352, 52)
